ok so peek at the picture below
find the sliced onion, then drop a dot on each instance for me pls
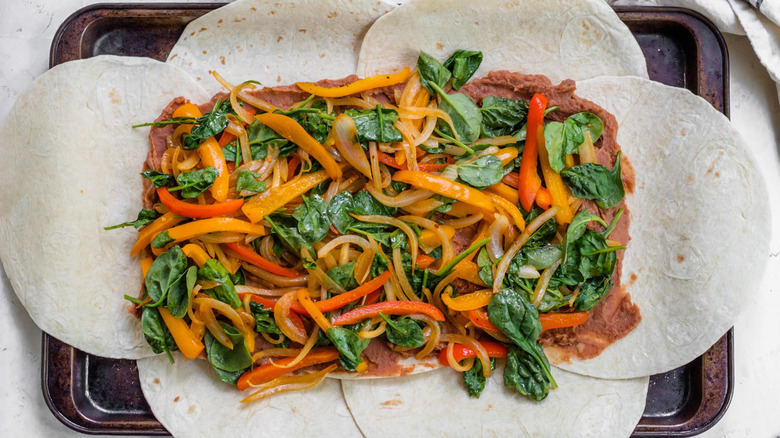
(341, 240)
(498, 278)
(541, 285)
(475, 346)
(276, 280)
(446, 245)
(527, 271)
(289, 383)
(496, 233)
(401, 275)
(232, 315)
(282, 318)
(386, 220)
(319, 274)
(464, 222)
(315, 334)
(406, 198)
(344, 135)
(433, 336)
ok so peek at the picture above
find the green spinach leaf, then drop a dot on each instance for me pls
(483, 172)
(285, 227)
(577, 228)
(180, 293)
(165, 273)
(376, 124)
(524, 373)
(404, 332)
(213, 270)
(344, 275)
(159, 179)
(229, 364)
(350, 346)
(462, 64)
(592, 291)
(312, 216)
(339, 209)
(474, 378)
(594, 181)
(145, 217)
(195, 182)
(264, 319)
(248, 181)
(502, 116)
(364, 204)
(431, 72)
(156, 332)
(209, 125)
(464, 113)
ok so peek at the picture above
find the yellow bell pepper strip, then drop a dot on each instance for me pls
(341, 300)
(430, 240)
(505, 191)
(288, 128)
(211, 155)
(197, 211)
(528, 182)
(212, 225)
(506, 155)
(358, 86)
(510, 208)
(146, 263)
(472, 301)
(277, 197)
(460, 351)
(305, 299)
(196, 253)
(555, 186)
(189, 345)
(445, 187)
(249, 255)
(270, 371)
(390, 308)
(147, 233)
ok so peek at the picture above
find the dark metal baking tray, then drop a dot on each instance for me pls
(97, 395)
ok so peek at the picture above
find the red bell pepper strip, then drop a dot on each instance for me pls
(389, 160)
(559, 320)
(270, 371)
(249, 255)
(460, 351)
(528, 178)
(292, 164)
(342, 300)
(389, 308)
(199, 211)
(225, 139)
(479, 318)
(423, 261)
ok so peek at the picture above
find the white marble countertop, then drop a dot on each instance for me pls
(26, 31)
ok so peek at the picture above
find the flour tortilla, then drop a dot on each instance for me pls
(563, 39)
(189, 400)
(276, 42)
(700, 226)
(70, 167)
(436, 404)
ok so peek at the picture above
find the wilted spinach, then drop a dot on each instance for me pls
(195, 182)
(594, 181)
(179, 295)
(404, 332)
(474, 378)
(247, 180)
(339, 208)
(524, 373)
(562, 139)
(344, 275)
(209, 125)
(213, 270)
(156, 332)
(167, 272)
(431, 72)
(577, 228)
(364, 204)
(285, 227)
(592, 291)
(350, 346)
(483, 172)
(264, 319)
(502, 116)
(159, 179)
(145, 217)
(376, 124)
(229, 364)
(462, 64)
(312, 217)
(464, 113)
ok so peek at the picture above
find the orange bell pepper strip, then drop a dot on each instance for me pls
(305, 299)
(506, 155)
(445, 187)
(472, 301)
(198, 211)
(212, 225)
(341, 300)
(225, 139)
(196, 253)
(555, 186)
(211, 155)
(389, 160)
(249, 255)
(544, 198)
(505, 190)
(189, 345)
(460, 351)
(358, 86)
(187, 110)
(148, 232)
(479, 318)
(431, 240)
(390, 308)
(288, 128)
(277, 197)
(270, 371)
(559, 320)
(510, 208)
(510, 179)
(146, 263)
(423, 261)
(528, 182)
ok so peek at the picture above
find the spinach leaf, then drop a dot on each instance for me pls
(195, 182)
(180, 293)
(209, 125)
(165, 273)
(344, 275)
(464, 113)
(229, 364)
(232, 152)
(264, 319)
(350, 346)
(285, 227)
(545, 233)
(314, 120)
(156, 332)
(213, 270)
(518, 319)
(592, 291)
(162, 239)
(590, 122)
(462, 64)
(553, 299)
(376, 125)
(525, 374)
(474, 379)
(248, 181)
(562, 139)
(145, 217)
(159, 179)
(538, 257)
(404, 332)
(431, 72)
(594, 181)
(577, 228)
(312, 216)
(501, 116)
(485, 267)
(483, 172)
(597, 257)
(555, 141)
(339, 209)
(364, 204)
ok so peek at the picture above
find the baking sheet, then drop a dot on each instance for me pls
(97, 395)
